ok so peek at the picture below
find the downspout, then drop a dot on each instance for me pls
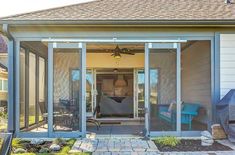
(11, 95)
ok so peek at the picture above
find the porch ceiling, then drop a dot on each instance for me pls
(99, 47)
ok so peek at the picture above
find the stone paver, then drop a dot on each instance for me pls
(122, 146)
(129, 146)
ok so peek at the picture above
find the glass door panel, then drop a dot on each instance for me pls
(75, 77)
(140, 92)
(89, 93)
(41, 91)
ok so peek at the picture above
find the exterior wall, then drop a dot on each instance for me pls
(196, 78)
(112, 31)
(227, 63)
(4, 75)
(3, 94)
(4, 59)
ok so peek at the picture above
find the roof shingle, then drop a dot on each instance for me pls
(134, 10)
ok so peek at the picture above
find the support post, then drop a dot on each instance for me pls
(37, 89)
(178, 87)
(50, 89)
(17, 86)
(11, 95)
(83, 90)
(146, 90)
(27, 88)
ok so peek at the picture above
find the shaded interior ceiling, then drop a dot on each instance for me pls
(99, 47)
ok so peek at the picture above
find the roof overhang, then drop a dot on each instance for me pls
(168, 23)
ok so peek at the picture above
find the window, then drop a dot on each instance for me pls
(3, 85)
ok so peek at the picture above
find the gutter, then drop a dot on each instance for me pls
(151, 22)
(6, 32)
(11, 98)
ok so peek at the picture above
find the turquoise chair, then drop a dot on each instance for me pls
(188, 112)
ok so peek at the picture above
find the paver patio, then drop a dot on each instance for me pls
(114, 145)
(129, 146)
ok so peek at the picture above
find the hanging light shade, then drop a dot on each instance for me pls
(120, 81)
(115, 70)
(117, 55)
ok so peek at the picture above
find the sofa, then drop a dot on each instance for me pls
(110, 106)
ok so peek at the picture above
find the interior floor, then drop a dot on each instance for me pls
(127, 127)
(118, 127)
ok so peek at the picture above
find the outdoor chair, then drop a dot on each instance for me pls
(70, 107)
(44, 112)
(91, 119)
(188, 112)
(68, 113)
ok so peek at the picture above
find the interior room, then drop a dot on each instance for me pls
(115, 93)
(116, 69)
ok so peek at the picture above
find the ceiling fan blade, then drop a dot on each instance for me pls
(125, 49)
(108, 50)
(129, 53)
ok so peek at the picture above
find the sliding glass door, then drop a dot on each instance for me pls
(89, 92)
(74, 79)
(67, 89)
(139, 93)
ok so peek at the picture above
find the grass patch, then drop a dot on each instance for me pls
(3, 127)
(66, 146)
(167, 141)
(1, 143)
(16, 143)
